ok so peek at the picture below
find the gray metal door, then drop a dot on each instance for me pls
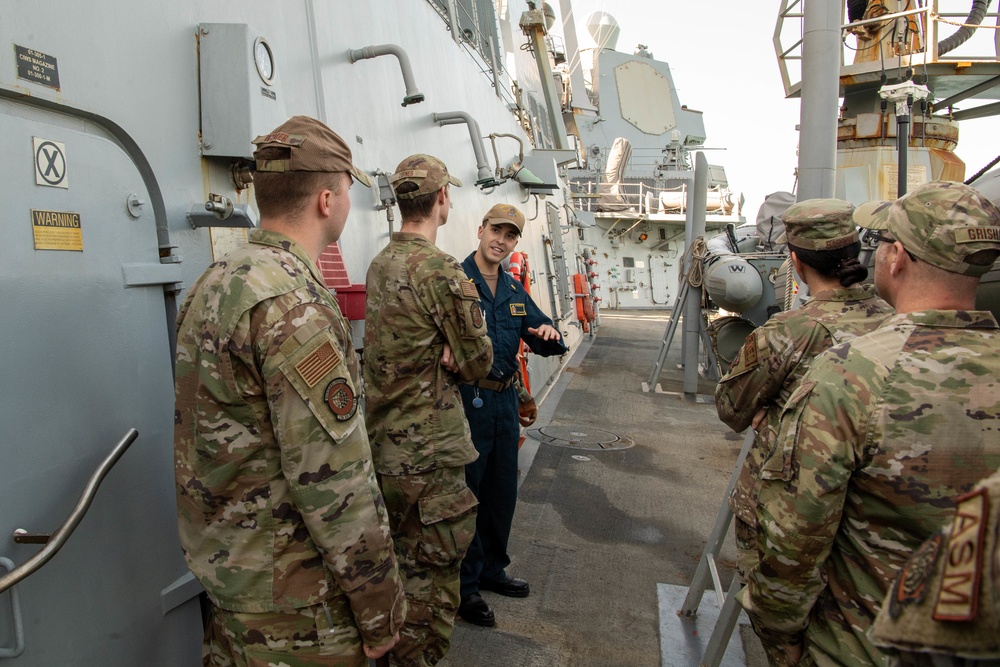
(85, 354)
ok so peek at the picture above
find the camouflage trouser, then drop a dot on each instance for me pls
(746, 548)
(317, 636)
(433, 519)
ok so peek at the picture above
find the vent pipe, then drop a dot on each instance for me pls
(413, 95)
(485, 179)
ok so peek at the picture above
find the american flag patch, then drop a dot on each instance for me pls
(469, 290)
(320, 362)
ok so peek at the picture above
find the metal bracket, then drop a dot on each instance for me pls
(21, 536)
(220, 211)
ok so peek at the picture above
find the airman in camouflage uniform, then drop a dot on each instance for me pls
(882, 433)
(824, 245)
(280, 515)
(424, 334)
(943, 610)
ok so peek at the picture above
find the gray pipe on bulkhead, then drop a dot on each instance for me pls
(820, 104)
(485, 178)
(413, 95)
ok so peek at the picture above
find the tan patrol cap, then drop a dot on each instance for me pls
(310, 146)
(426, 171)
(943, 223)
(505, 214)
(819, 224)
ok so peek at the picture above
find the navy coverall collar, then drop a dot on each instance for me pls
(505, 284)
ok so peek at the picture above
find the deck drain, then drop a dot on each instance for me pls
(580, 437)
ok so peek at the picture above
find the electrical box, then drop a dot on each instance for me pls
(630, 275)
(241, 95)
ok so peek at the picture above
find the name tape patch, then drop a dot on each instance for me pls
(517, 310)
(977, 234)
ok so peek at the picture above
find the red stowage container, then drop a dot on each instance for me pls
(352, 301)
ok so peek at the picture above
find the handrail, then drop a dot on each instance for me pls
(931, 15)
(15, 605)
(59, 538)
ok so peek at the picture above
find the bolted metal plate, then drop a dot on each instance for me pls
(580, 437)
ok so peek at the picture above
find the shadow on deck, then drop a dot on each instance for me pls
(597, 530)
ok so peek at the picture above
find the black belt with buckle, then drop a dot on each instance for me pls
(495, 385)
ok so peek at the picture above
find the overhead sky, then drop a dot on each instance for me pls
(723, 63)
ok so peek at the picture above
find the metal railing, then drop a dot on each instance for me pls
(632, 198)
(931, 19)
(463, 19)
(53, 543)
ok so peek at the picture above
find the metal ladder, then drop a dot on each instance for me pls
(668, 337)
(708, 572)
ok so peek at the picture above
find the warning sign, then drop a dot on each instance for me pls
(56, 230)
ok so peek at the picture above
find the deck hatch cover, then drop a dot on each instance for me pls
(580, 437)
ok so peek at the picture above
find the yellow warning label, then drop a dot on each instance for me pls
(57, 230)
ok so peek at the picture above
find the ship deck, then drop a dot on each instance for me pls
(598, 531)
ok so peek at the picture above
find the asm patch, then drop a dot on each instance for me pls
(958, 599)
(341, 399)
(477, 317)
(911, 585)
(315, 367)
(469, 290)
(518, 310)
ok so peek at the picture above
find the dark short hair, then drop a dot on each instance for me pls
(288, 193)
(418, 207)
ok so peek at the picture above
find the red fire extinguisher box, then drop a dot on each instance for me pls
(352, 301)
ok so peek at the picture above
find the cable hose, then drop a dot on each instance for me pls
(962, 35)
(982, 171)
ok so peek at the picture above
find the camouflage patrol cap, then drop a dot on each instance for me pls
(819, 224)
(427, 172)
(505, 214)
(944, 600)
(309, 146)
(942, 223)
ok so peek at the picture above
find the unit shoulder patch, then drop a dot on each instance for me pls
(341, 399)
(911, 584)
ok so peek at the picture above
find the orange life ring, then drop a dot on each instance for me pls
(519, 270)
(588, 308)
(581, 289)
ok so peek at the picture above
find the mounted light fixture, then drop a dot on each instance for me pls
(516, 169)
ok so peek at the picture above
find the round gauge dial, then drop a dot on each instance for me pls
(264, 60)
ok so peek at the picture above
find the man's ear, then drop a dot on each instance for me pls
(324, 202)
(898, 259)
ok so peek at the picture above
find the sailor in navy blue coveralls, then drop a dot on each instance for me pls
(492, 411)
